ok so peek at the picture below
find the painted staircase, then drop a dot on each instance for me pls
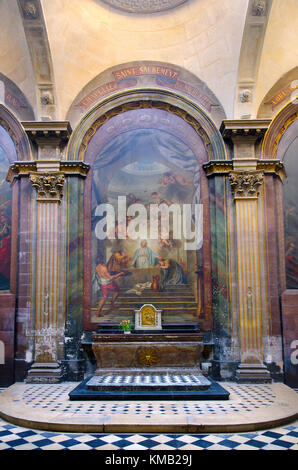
(178, 304)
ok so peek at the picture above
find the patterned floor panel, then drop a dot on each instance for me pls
(19, 438)
(54, 398)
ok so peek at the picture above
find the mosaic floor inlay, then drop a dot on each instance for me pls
(146, 381)
(54, 398)
(48, 407)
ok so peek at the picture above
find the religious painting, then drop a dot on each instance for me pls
(7, 154)
(143, 183)
(289, 146)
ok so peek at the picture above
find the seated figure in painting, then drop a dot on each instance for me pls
(172, 273)
(144, 257)
(107, 283)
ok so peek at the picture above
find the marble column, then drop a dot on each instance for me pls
(245, 186)
(48, 277)
(251, 300)
(47, 226)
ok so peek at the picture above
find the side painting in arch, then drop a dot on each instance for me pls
(7, 155)
(144, 168)
(287, 152)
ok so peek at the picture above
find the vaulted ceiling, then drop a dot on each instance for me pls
(51, 49)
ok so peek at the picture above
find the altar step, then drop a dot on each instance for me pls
(214, 392)
(148, 381)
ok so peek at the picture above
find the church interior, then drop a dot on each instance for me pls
(148, 215)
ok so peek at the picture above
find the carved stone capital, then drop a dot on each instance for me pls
(48, 186)
(246, 184)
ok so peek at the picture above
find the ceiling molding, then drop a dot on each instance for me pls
(37, 39)
(252, 45)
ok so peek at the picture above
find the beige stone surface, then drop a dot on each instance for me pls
(204, 36)
(279, 53)
(88, 37)
(267, 406)
(15, 60)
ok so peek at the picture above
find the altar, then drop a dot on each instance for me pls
(151, 360)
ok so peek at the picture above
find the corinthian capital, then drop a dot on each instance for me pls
(246, 184)
(48, 186)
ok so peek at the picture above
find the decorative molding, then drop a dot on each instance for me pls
(48, 129)
(144, 6)
(254, 32)
(277, 129)
(75, 168)
(46, 97)
(50, 137)
(16, 132)
(259, 8)
(68, 168)
(275, 167)
(244, 127)
(48, 186)
(140, 104)
(218, 167)
(246, 184)
(269, 167)
(141, 99)
(245, 96)
(147, 356)
(29, 9)
(19, 169)
(39, 48)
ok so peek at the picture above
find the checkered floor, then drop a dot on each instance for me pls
(19, 438)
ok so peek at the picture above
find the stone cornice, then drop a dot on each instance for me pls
(244, 127)
(224, 167)
(47, 130)
(218, 167)
(68, 168)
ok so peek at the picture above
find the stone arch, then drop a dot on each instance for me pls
(147, 98)
(16, 131)
(277, 129)
(14, 99)
(279, 95)
(81, 146)
(141, 75)
(281, 143)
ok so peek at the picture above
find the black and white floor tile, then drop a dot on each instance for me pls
(18, 438)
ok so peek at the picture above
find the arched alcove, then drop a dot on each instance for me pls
(14, 146)
(138, 128)
(281, 143)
